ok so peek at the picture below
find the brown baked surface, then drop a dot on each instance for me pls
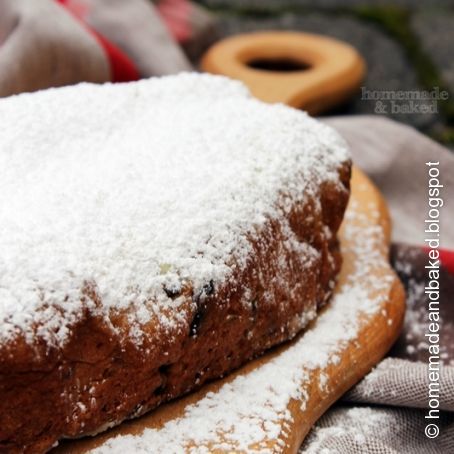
(100, 378)
(366, 251)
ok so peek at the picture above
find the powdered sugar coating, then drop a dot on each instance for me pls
(129, 188)
(252, 409)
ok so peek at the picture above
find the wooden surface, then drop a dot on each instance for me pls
(376, 333)
(334, 71)
(379, 331)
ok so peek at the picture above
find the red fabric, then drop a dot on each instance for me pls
(446, 258)
(121, 66)
(79, 9)
(177, 16)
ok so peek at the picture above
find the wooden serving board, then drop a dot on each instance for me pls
(270, 404)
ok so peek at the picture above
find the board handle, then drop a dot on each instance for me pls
(302, 70)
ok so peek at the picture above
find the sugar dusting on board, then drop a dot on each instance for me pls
(252, 409)
(111, 194)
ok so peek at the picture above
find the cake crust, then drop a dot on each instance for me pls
(99, 379)
(105, 372)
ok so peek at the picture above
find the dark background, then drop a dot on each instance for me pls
(407, 44)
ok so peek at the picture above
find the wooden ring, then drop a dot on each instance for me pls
(316, 72)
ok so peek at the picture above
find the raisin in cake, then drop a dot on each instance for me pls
(154, 235)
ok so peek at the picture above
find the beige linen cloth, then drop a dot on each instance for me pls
(385, 412)
(43, 45)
